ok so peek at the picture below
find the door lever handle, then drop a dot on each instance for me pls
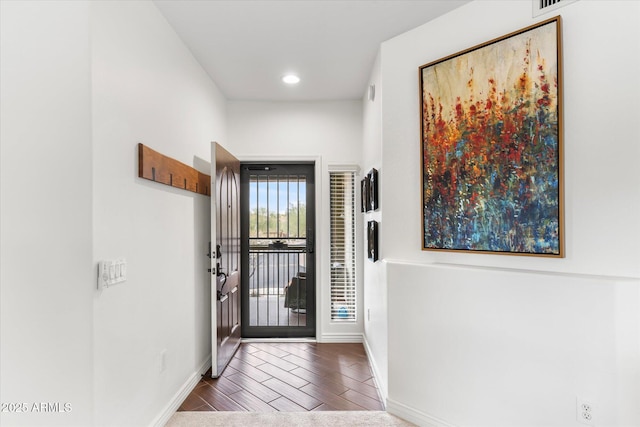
(221, 297)
(224, 279)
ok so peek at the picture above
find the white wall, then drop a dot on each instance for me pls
(148, 88)
(329, 133)
(46, 277)
(495, 347)
(483, 339)
(375, 284)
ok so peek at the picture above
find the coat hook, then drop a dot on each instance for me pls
(153, 173)
(185, 183)
(170, 179)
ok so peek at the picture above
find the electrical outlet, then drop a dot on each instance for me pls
(585, 412)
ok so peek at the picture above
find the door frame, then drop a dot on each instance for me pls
(267, 332)
(319, 234)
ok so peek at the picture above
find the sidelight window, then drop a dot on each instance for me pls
(343, 198)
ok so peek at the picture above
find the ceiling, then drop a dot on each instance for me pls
(247, 46)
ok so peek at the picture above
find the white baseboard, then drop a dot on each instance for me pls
(382, 387)
(181, 394)
(340, 337)
(413, 415)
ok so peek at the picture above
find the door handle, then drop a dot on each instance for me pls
(224, 282)
(222, 297)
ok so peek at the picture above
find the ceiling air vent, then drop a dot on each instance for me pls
(544, 6)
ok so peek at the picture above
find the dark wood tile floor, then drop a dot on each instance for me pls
(290, 377)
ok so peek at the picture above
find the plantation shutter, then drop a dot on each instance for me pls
(343, 246)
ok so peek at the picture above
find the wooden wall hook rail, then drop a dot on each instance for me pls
(165, 170)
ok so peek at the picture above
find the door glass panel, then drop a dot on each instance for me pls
(278, 254)
(277, 250)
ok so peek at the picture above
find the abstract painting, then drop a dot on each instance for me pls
(373, 189)
(364, 194)
(369, 191)
(372, 240)
(492, 146)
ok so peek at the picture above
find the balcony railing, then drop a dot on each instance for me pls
(273, 267)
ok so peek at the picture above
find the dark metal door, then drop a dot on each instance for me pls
(225, 258)
(278, 250)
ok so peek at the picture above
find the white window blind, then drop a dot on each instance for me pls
(343, 246)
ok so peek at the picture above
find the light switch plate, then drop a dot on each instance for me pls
(111, 272)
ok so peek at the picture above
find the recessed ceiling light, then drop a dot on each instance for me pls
(291, 79)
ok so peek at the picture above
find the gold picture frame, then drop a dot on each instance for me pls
(491, 146)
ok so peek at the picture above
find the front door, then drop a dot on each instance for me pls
(225, 258)
(278, 252)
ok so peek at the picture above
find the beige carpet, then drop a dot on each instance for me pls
(281, 419)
